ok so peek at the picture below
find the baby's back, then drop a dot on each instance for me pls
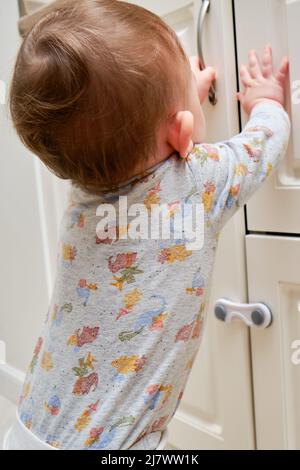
(125, 320)
(127, 314)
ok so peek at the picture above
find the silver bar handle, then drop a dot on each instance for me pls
(202, 15)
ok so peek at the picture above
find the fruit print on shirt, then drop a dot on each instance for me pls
(130, 300)
(100, 437)
(58, 313)
(85, 418)
(84, 289)
(157, 395)
(198, 285)
(69, 253)
(82, 336)
(53, 405)
(152, 319)
(87, 381)
(174, 253)
(125, 263)
(127, 364)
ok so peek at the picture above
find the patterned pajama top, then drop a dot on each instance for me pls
(127, 315)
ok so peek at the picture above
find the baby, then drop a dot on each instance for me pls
(105, 96)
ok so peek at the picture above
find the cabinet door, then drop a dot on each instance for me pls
(276, 206)
(274, 277)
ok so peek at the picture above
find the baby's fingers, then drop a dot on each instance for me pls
(254, 65)
(205, 79)
(208, 74)
(245, 76)
(195, 63)
(267, 62)
(282, 71)
(240, 96)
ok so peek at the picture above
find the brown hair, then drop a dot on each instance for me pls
(93, 81)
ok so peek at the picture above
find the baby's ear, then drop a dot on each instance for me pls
(180, 131)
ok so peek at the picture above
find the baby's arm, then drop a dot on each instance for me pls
(229, 172)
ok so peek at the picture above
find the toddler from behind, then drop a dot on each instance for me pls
(105, 96)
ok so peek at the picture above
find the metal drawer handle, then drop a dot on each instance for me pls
(257, 315)
(202, 14)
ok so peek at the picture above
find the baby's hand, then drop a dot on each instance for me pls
(260, 82)
(204, 78)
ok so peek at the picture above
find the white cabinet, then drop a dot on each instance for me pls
(276, 206)
(217, 409)
(274, 276)
(273, 261)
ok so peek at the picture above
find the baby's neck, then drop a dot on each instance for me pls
(164, 152)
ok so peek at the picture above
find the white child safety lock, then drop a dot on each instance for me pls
(256, 315)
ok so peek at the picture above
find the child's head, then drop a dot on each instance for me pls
(95, 83)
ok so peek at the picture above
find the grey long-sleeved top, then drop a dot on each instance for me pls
(127, 315)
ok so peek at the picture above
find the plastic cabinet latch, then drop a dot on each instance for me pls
(255, 315)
